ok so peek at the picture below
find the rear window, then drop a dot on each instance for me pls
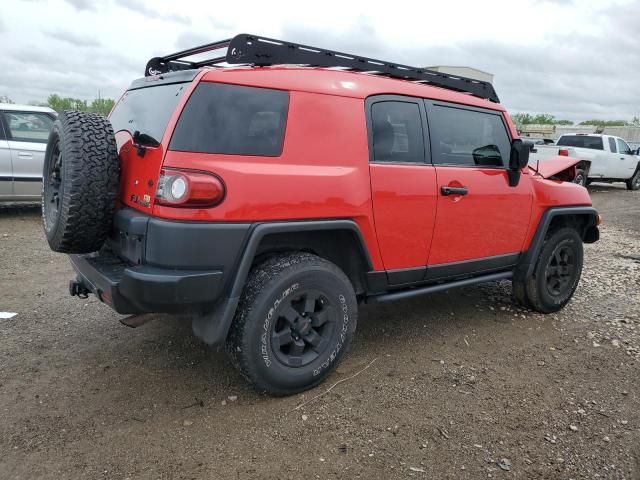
(232, 119)
(147, 110)
(581, 141)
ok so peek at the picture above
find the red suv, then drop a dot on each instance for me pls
(268, 199)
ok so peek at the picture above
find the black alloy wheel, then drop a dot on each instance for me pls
(560, 270)
(294, 322)
(52, 186)
(303, 329)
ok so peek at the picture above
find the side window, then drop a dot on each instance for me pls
(28, 127)
(233, 120)
(468, 138)
(397, 132)
(612, 144)
(623, 147)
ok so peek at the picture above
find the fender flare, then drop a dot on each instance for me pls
(212, 327)
(590, 235)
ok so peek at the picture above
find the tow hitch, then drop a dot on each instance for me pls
(77, 289)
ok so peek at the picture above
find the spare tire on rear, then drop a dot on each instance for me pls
(80, 182)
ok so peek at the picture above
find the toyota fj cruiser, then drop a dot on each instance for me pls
(269, 191)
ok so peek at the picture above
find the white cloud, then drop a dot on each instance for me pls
(89, 5)
(575, 60)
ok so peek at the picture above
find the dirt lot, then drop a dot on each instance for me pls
(464, 384)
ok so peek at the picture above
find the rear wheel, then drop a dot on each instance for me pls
(295, 320)
(556, 273)
(634, 182)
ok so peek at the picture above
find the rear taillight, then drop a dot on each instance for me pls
(563, 152)
(184, 188)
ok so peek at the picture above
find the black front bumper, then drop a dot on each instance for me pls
(151, 265)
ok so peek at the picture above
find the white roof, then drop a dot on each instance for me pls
(12, 107)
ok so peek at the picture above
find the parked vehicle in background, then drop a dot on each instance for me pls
(537, 141)
(603, 158)
(267, 202)
(24, 131)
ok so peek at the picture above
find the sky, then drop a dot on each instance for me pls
(575, 59)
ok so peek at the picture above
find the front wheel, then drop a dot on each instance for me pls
(294, 322)
(634, 182)
(581, 177)
(556, 273)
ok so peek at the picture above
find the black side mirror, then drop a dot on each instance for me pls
(518, 159)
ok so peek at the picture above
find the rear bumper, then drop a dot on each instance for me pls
(150, 265)
(142, 289)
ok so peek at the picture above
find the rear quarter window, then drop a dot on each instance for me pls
(232, 119)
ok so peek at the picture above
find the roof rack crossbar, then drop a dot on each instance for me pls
(262, 51)
(175, 62)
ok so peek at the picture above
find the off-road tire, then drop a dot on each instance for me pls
(634, 182)
(279, 283)
(80, 182)
(534, 292)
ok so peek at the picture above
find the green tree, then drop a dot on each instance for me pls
(539, 119)
(605, 123)
(99, 105)
(59, 103)
(102, 106)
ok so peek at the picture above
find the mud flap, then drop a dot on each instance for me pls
(212, 327)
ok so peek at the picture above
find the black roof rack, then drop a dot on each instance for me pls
(261, 51)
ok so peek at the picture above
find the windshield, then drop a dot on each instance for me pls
(581, 141)
(147, 110)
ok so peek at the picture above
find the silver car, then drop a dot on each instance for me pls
(24, 131)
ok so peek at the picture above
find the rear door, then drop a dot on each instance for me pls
(627, 161)
(403, 184)
(6, 172)
(481, 221)
(28, 134)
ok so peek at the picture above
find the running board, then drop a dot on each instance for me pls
(390, 297)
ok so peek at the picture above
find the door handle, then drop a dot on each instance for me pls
(453, 191)
(25, 155)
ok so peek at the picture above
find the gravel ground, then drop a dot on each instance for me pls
(463, 384)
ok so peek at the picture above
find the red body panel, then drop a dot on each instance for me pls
(552, 193)
(553, 165)
(324, 173)
(404, 204)
(492, 219)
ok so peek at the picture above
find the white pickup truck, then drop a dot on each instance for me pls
(603, 158)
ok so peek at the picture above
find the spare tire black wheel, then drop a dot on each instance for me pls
(80, 182)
